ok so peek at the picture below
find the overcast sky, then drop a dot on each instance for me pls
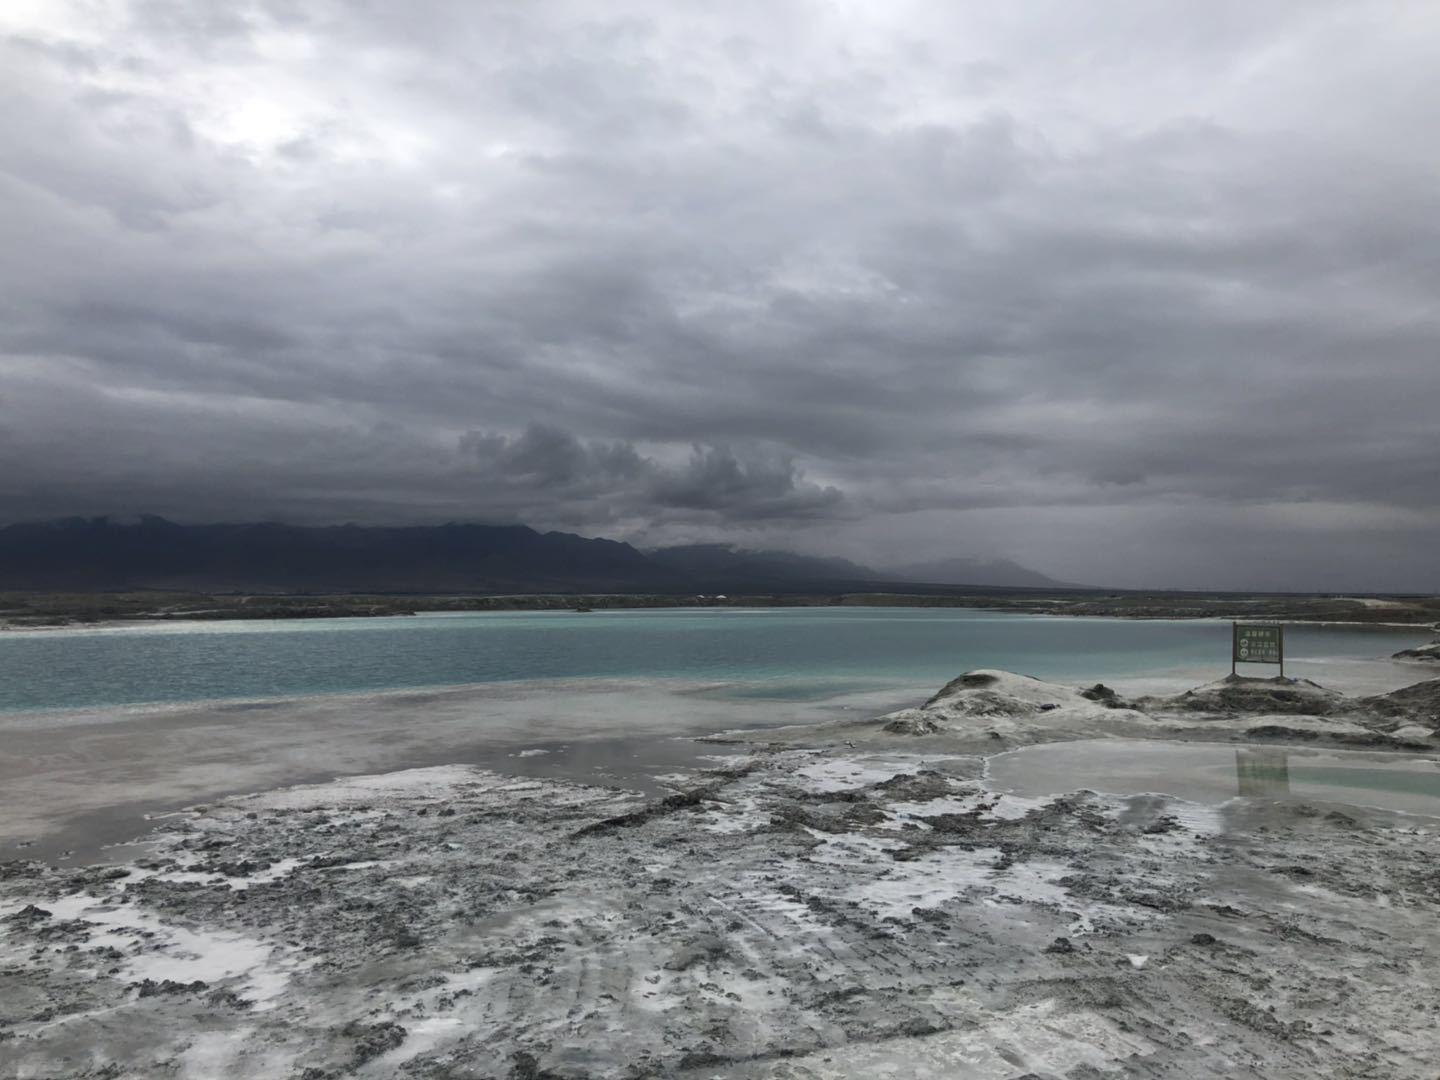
(1135, 293)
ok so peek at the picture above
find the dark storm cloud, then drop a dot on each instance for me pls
(590, 481)
(1142, 295)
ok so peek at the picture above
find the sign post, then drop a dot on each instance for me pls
(1252, 643)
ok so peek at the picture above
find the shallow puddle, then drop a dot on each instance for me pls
(1215, 773)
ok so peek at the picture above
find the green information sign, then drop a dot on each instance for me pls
(1253, 644)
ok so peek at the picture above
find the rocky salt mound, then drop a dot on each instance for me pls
(1412, 712)
(1001, 704)
(986, 710)
(1425, 654)
(1237, 694)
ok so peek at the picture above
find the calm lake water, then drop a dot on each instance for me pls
(794, 654)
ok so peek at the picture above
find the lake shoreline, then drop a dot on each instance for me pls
(120, 667)
(37, 611)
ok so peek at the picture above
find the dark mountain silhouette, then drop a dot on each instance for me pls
(722, 565)
(989, 573)
(105, 555)
(99, 554)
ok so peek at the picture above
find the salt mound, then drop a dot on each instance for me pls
(1429, 653)
(904, 724)
(1001, 698)
(1237, 694)
(1420, 702)
(991, 692)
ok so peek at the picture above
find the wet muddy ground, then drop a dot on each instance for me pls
(852, 909)
(801, 915)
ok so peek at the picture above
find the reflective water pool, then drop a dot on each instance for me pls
(1217, 772)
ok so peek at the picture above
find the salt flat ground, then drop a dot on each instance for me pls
(797, 911)
(74, 780)
(928, 893)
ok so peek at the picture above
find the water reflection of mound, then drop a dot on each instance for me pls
(1264, 771)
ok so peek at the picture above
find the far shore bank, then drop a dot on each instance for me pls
(38, 611)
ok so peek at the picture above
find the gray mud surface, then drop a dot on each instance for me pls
(859, 898)
(73, 780)
(798, 914)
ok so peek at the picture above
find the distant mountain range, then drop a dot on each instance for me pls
(966, 571)
(101, 554)
(720, 563)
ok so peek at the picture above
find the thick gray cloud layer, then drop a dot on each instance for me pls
(1138, 293)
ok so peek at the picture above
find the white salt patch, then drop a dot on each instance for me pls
(957, 873)
(935, 806)
(269, 982)
(70, 1018)
(1034, 883)
(1315, 893)
(925, 883)
(735, 823)
(731, 761)
(1048, 1039)
(422, 1037)
(215, 1053)
(850, 774)
(181, 954)
(658, 998)
(1199, 823)
(743, 815)
(431, 782)
(1014, 807)
(850, 848)
(788, 907)
(1199, 818)
(1038, 883)
(510, 786)
(472, 980)
(276, 871)
(178, 877)
(369, 864)
(756, 996)
(675, 778)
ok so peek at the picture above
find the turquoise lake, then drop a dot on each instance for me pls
(785, 654)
